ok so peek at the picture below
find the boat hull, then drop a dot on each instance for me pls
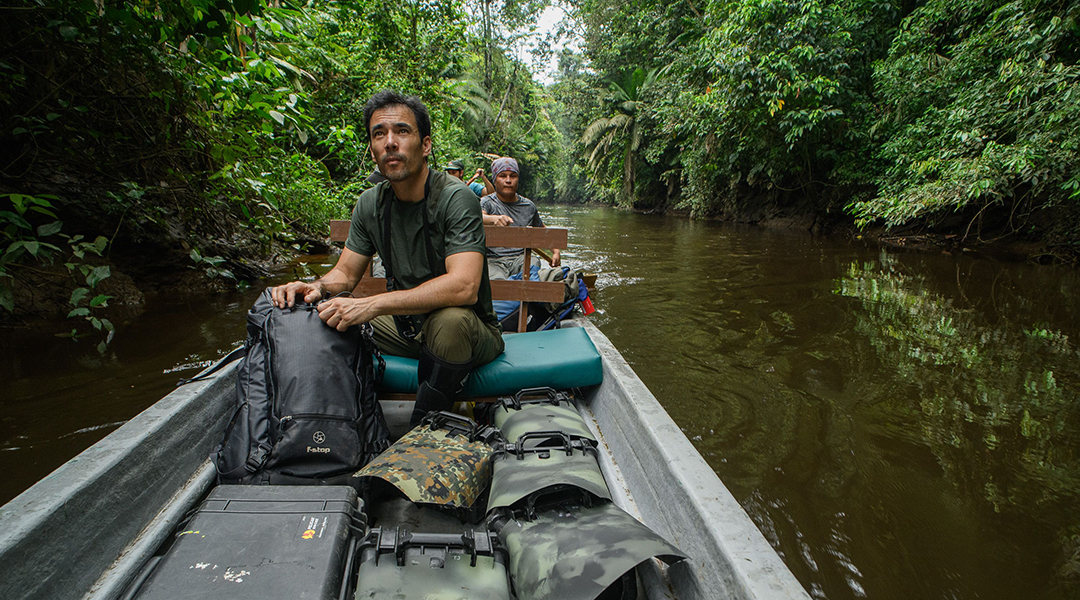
(85, 530)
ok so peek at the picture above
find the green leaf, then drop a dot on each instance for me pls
(107, 324)
(79, 312)
(100, 243)
(96, 322)
(52, 116)
(32, 247)
(6, 299)
(44, 211)
(15, 219)
(280, 118)
(50, 229)
(97, 275)
(101, 347)
(100, 300)
(19, 201)
(68, 33)
(77, 295)
(15, 248)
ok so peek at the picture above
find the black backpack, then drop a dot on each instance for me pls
(306, 408)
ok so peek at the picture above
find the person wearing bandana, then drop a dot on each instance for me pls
(508, 208)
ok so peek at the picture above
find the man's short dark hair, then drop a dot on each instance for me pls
(391, 98)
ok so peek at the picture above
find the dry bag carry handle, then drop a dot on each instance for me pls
(551, 394)
(519, 446)
(453, 423)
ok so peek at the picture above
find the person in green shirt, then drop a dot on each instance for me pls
(427, 228)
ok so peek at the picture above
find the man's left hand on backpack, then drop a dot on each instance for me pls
(287, 295)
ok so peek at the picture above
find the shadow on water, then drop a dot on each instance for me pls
(899, 425)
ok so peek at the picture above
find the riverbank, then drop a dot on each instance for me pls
(988, 235)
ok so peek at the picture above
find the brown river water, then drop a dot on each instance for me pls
(898, 424)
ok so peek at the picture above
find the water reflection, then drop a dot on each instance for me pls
(899, 425)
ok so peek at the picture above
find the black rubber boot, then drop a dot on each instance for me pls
(440, 382)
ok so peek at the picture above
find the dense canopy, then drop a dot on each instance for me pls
(217, 136)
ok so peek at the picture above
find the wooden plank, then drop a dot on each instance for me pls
(339, 231)
(530, 291)
(523, 308)
(509, 237)
(369, 286)
(526, 237)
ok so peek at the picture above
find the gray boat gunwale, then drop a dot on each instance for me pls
(74, 534)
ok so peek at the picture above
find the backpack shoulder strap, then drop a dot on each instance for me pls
(236, 354)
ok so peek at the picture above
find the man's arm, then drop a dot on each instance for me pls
(458, 287)
(344, 277)
(489, 188)
(491, 218)
(500, 220)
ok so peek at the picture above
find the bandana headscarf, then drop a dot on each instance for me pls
(504, 164)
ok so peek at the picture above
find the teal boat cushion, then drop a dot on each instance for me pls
(558, 358)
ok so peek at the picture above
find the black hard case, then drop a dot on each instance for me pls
(260, 542)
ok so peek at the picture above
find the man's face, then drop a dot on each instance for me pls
(455, 172)
(396, 145)
(506, 183)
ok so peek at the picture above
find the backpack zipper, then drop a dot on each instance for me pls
(304, 416)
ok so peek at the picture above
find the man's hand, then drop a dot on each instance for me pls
(342, 313)
(555, 260)
(285, 295)
(499, 220)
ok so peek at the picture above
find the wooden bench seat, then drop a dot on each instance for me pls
(512, 237)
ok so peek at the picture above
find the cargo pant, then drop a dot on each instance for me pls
(454, 334)
(502, 267)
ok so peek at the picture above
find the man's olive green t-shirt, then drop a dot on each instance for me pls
(455, 224)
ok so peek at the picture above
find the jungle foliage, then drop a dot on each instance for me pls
(211, 136)
(897, 113)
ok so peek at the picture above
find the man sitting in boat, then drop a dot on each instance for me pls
(456, 168)
(508, 208)
(427, 227)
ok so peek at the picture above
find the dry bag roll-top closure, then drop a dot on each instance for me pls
(306, 408)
